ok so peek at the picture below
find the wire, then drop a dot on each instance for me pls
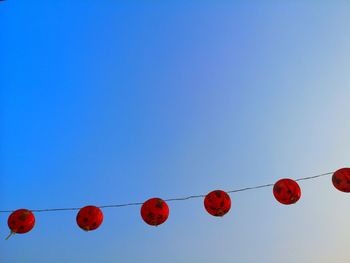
(167, 200)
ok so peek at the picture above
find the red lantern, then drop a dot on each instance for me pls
(89, 218)
(217, 203)
(341, 180)
(155, 211)
(287, 191)
(21, 221)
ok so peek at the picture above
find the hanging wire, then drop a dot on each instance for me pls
(168, 200)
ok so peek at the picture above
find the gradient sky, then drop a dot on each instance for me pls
(108, 102)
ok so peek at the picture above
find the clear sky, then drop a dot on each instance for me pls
(118, 101)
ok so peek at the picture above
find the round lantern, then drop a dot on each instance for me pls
(287, 191)
(341, 180)
(21, 221)
(155, 211)
(217, 203)
(89, 218)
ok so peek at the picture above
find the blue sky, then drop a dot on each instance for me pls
(119, 101)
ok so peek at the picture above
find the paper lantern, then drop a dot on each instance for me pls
(341, 180)
(155, 211)
(20, 221)
(287, 191)
(89, 218)
(217, 203)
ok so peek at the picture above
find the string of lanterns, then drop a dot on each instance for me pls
(155, 211)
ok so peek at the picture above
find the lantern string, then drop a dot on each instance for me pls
(170, 199)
